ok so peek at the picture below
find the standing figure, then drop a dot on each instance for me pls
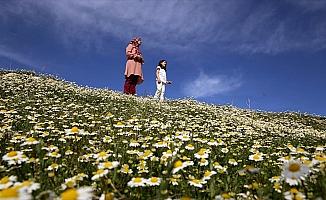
(161, 80)
(133, 72)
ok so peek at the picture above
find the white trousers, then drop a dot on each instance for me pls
(160, 90)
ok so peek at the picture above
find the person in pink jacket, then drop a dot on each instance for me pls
(133, 71)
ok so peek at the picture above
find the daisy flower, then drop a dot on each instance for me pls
(225, 150)
(83, 193)
(134, 143)
(168, 153)
(69, 152)
(54, 154)
(101, 156)
(293, 171)
(277, 187)
(15, 193)
(30, 141)
(29, 185)
(100, 173)
(107, 196)
(119, 125)
(320, 148)
(107, 139)
(15, 157)
(233, 162)
(183, 137)
(161, 144)
(256, 157)
(137, 182)
(197, 182)
(178, 165)
(153, 181)
(6, 182)
(175, 179)
(294, 194)
(208, 175)
(190, 147)
(108, 165)
(53, 166)
(202, 153)
(69, 183)
(275, 179)
(125, 169)
(212, 142)
(74, 130)
(145, 155)
(203, 162)
(224, 196)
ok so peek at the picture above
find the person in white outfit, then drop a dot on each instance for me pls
(161, 80)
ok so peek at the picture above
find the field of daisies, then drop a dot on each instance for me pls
(59, 140)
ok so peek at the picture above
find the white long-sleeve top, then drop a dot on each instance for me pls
(162, 74)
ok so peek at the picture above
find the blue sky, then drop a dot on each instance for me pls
(269, 55)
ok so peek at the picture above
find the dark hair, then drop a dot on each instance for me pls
(160, 64)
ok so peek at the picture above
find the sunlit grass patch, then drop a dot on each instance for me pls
(59, 139)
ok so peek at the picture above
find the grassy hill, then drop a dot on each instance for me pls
(60, 140)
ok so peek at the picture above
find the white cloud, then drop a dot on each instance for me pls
(5, 52)
(236, 26)
(210, 85)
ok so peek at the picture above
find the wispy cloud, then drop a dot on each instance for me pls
(237, 26)
(210, 85)
(16, 57)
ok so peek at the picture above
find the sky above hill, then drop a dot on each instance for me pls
(258, 54)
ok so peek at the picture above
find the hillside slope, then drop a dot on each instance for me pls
(64, 130)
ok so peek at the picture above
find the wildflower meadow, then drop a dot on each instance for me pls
(59, 140)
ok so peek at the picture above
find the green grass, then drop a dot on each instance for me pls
(44, 109)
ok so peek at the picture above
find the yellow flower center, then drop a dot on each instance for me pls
(30, 139)
(196, 181)
(287, 157)
(178, 164)
(277, 186)
(207, 173)
(201, 152)
(119, 123)
(320, 158)
(12, 154)
(108, 164)
(226, 196)
(255, 185)
(70, 194)
(54, 165)
(125, 166)
(294, 167)
(102, 154)
(138, 180)
(147, 153)
(100, 171)
(9, 193)
(294, 190)
(54, 153)
(74, 129)
(26, 183)
(70, 184)
(4, 180)
(169, 152)
(185, 198)
(256, 157)
(154, 179)
(109, 196)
